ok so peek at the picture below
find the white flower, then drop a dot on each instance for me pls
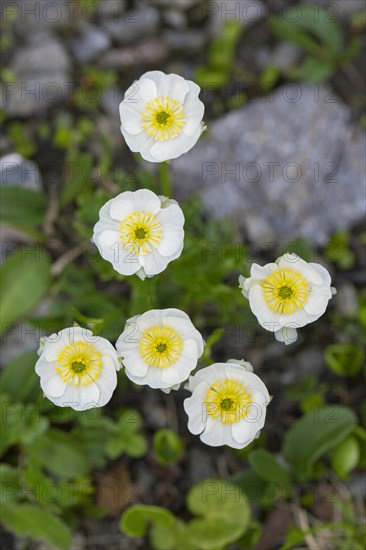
(227, 405)
(245, 364)
(287, 295)
(161, 116)
(140, 232)
(77, 369)
(160, 348)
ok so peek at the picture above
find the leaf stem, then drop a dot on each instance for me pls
(165, 180)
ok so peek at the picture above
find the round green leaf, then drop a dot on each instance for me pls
(345, 457)
(135, 521)
(168, 447)
(315, 434)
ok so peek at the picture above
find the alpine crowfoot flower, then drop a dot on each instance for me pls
(227, 405)
(140, 232)
(287, 295)
(161, 116)
(160, 348)
(77, 369)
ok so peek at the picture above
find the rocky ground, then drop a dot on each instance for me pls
(286, 164)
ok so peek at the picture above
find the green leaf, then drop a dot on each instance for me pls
(22, 207)
(168, 446)
(25, 278)
(267, 468)
(124, 438)
(60, 453)
(220, 503)
(79, 178)
(310, 30)
(135, 521)
(345, 457)
(344, 359)
(9, 483)
(136, 446)
(37, 523)
(313, 70)
(19, 424)
(19, 380)
(314, 435)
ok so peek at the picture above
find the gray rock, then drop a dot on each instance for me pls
(346, 300)
(149, 51)
(31, 14)
(179, 5)
(132, 25)
(110, 100)
(284, 56)
(91, 42)
(20, 338)
(175, 18)
(41, 68)
(112, 9)
(341, 9)
(44, 55)
(199, 466)
(291, 161)
(16, 170)
(247, 12)
(188, 40)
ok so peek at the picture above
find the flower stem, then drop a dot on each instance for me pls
(165, 180)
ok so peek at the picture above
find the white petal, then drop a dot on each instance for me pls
(54, 344)
(167, 150)
(208, 375)
(287, 335)
(291, 261)
(141, 92)
(172, 222)
(170, 85)
(140, 143)
(318, 299)
(131, 118)
(186, 330)
(107, 381)
(122, 206)
(193, 406)
(153, 262)
(268, 318)
(105, 222)
(262, 272)
(216, 434)
(78, 398)
(194, 109)
(187, 362)
(51, 382)
(135, 365)
(323, 272)
(123, 261)
(146, 201)
(297, 319)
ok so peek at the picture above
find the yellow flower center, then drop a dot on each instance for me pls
(139, 232)
(285, 291)
(160, 347)
(79, 363)
(228, 400)
(163, 118)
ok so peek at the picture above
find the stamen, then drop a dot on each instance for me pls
(79, 363)
(163, 118)
(285, 291)
(228, 401)
(160, 347)
(139, 232)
